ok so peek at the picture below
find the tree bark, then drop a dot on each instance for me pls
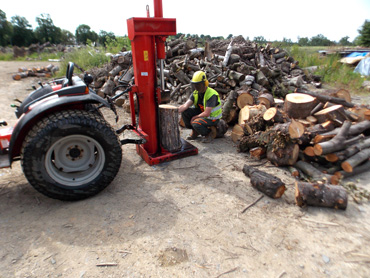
(268, 184)
(355, 160)
(169, 128)
(314, 174)
(320, 195)
(335, 144)
(299, 106)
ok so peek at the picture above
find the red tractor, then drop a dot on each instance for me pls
(67, 149)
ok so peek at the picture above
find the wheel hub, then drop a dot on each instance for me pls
(74, 152)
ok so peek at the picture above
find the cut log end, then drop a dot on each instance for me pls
(320, 195)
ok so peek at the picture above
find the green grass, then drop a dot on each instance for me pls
(86, 58)
(331, 70)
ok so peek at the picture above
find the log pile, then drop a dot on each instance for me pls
(234, 65)
(321, 138)
(47, 72)
(273, 115)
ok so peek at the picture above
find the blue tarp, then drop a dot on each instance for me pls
(363, 67)
(357, 54)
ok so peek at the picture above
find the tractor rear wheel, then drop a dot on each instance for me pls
(71, 155)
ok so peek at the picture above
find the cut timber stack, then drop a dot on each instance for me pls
(46, 72)
(320, 137)
(234, 65)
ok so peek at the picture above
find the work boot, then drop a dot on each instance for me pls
(212, 135)
(194, 134)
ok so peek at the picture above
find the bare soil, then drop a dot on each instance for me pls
(178, 219)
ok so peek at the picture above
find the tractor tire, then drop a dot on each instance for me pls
(71, 155)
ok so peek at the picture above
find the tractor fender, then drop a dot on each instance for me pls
(42, 109)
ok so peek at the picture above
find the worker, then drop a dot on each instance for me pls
(202, 111)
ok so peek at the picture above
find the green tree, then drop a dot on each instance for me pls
(320, 40)
(84, 33)
(22, 31)
(364, 38)
(260, 40)
(303, 41)
(67, 37)
(6, 30)
(103, 37)
(344, 41)
(229, 36)
(47, 31)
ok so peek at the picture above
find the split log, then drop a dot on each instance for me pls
(258, 152)
(298, 106)
(270, 185)
(320, 195)
(237, 133)
(246, 98)
(349, 164)
(266, 99)
(274, 115)
(248, 112)
(333, 113)
(314, 174)
(107, 88)
(169, 128)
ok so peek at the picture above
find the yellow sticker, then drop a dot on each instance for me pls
(146, 55)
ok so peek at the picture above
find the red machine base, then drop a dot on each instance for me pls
(187, 149)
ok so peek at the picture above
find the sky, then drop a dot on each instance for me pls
(272, 19)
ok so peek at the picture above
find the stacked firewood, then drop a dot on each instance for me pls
(321, 138)
(231, 65)
(47, 72)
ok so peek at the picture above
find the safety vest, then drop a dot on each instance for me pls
(216, 112)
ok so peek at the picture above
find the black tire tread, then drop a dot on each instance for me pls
(43, 128)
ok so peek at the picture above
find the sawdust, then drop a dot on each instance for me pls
(193, 205)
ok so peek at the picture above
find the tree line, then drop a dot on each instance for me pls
(18, 32)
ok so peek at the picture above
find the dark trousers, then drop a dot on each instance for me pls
(200, 125)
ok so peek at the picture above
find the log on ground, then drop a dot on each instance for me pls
(268, 184)
(320, 195)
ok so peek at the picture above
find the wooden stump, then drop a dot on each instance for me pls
(299, 106)
(268, 184)
(320, 195)
(168, 128)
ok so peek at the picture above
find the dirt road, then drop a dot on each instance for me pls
(178, 219)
